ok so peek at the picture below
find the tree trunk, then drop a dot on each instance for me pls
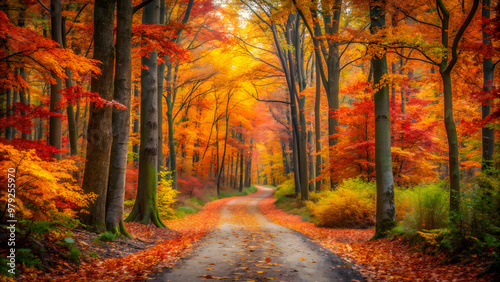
(170, 120)
(445, 69)
(386, 212)
(161, 77)
(23, 99)
(488, 132)
(451, 133)
(317, 124)
(99, 135)
(145, 209)
(120, 120)
(70, 112)
(8, 130)
(55, 127)
(135, 147)
(225, 144)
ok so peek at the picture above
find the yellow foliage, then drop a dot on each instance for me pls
(41, 187)
(167, 196)
(343, 208)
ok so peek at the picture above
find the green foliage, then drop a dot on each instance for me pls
(197, 201)
(286, 188)
(4, 268)
(107, 237)
(167, 196)
(73, 254)
(424, 207)
(94, 255)
(26, 257)
(57, 223)
(181, 212)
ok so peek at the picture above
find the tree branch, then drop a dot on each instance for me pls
(45, 7)
(140, 6)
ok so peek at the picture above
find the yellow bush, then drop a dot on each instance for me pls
(286, 188)
(167, 196)
(343, 208)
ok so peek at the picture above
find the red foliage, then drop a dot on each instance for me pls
(21, 116)
(132, 177)
(42, 149)
(150, 37)
(189, 185)
(74, 93)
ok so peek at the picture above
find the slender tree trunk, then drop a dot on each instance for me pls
(386, 212)
(8, 130)
(451, 132)
(445, 69)
(135, 147)
(161, 77)
(241, 171)
(99, 135)
(488, 132)
(55, 129)
(120, 120)
(225, 146)
(70, 112)
(23, 99)
(145, 209)
(170, 113)
(317, 124)
(312, 167)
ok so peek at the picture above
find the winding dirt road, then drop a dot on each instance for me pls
(246, 246)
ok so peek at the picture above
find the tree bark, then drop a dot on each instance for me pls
(145, 209)
(70, 112)
(135, 147)
(55, 123)
(445, 68)
(161, 77)
(99, 135)
(386, 212)
(120, 120)
(488, 132)
(317, 124)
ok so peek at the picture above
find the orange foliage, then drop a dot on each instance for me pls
(41, 187)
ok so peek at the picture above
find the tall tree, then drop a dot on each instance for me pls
(120, 119)
(386, 211)
(99, 131)
(488, 133)
(171, 97)
(55, 129)
(145, 209)
(326, 48)
(445, 67)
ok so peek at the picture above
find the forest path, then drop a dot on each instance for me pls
(246, 246)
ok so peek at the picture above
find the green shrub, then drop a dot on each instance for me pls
(107, 237)
(4, 268)
(250, 190)
(181, 212)
(26, 257)
(197, 201)
(73, 254)
(428, 207)
(286, 188)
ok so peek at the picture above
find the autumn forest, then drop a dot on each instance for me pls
(253, 140)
